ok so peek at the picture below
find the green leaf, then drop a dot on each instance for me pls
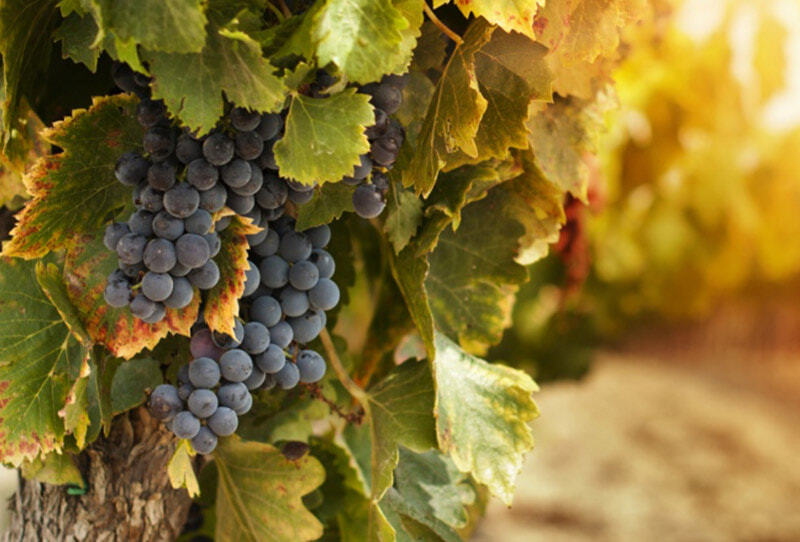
(344, 498)
(431, 48)
(360, 36)
(75, 191)
(230, 63)
(482, 415)
(25, 44)
(40, 361)
(400, 410)
(77, 34)
(324, 137)
(411, 10)
(409, 270)
(86, 267)
(222, 301)
(259, 495)
(516, 15)
(54, 468)
(181, 470)
(329, 202)
(403, 216)
(452, 118)
(132, 381)
(176, 26)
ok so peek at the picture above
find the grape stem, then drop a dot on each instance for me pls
(443, 27)
(284, 8)
(278, 13)
(341, 373)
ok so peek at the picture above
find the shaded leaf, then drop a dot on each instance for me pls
(77, 35)
(54, 468)
(75, 191)
(329, 202)
(132, 381)
(324, 137)
(403, 216)
(259, 495)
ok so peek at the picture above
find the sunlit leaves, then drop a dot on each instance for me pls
(516, 15)
(75, 191)
(181, 471)
(324, 137)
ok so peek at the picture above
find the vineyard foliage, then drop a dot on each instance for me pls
(503, 106)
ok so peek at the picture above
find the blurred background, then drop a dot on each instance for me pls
(665, 326)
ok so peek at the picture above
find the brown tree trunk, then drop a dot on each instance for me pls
(129, 496)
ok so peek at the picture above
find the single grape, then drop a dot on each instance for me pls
(131, 168)
(200, 222)
(271, 360)
(324, 262)
(182, 200)
(300, 198)
(187, 149)
(184, 391)
(386, 97)
(245, 408)
(185, 425)
(266, 309)
(236, 173)
(273, 193)
(150, 199)
(236, 365)
(306, 328)
(123, 77)
(267, 159)
(384, 151)
(252, 279)
(202, 346)
(149, 112)
(288, 377)
(114, 232)
(201, 174)
(157, 286)
(325, 295)
(293, 302)
(226, 341)
(244, 120)
(161, 176)
(167, 226)
(214, 243)
(218, 149)
(165, 402)
(213, 199)
(380, 181)
(311, 366)
(202, 403)
(118, 290)
(368, 201)
(159, 255)
(256, 379)
(158, 142)
(141, 223)
(205, 441)
(274, 271)
(204, 373)
(192, 250)
(256, 338)
(233, 395)
(182, 294)
(206, 276)
(256, 238)
(303, 275)
(269, 245)
(249, 145)
(179, 270)
(269, 126)
(284, 225)
(130, 248)
(379, 128)
(158, 314)
(319, 236)
(141, 307)
(252, 186)
(240, 204)
(294, 247)
(269, 382)
(281, 334)
(223, 422)
(363, 169)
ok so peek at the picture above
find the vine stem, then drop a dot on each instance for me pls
(285, 9)
(341, 373)
(443, 27)
(281, 16)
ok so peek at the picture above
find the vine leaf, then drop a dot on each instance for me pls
(181, 471)
(77, 35)
(176, 26)
(362, 37)
(230, 63)
(329, 202)
(516, 15)
(75, 191)
(259, 493)
(324, 137)
(403, 216)
(452, 118)
(86, 268)
(40, 362)
(53, 468)
(222, 301)
(482, 415)
(131, 383)
(400, 409)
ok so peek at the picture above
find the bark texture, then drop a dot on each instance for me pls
(129, 496)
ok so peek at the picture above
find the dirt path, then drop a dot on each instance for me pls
(647, 449)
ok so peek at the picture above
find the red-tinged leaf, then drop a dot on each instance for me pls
(222, 301)
(75, 190)
(87, 266)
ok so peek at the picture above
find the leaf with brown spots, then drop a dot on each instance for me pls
(75, 190)
(87, 266)
(222, 301)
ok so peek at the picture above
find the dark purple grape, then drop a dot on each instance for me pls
(159, 255)
(158, 142)
(131, 168)
(161, 176)
(114, 232)
(244, 120)
(249, 145)
(218, 149)
(201, 174)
